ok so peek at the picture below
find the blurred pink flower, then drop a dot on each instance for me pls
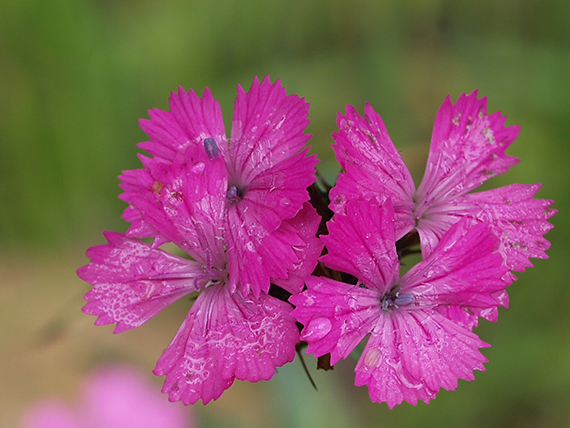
(415, 346)
(116, 396)
(467, 148)
(240, 212)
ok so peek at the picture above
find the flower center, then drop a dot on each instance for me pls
(395, 300)
(212, 274)
(234, 194)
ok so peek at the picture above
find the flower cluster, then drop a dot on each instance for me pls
(240, 210)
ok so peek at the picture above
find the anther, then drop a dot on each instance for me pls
(395, 301)
(234, 193)
(211, 148)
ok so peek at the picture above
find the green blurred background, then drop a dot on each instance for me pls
(75, 76)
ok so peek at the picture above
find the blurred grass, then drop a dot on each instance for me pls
(75, 76)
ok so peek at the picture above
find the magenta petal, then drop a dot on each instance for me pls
(185, 201)
(225, 337)
(266, 161)
(267, 129)
(373, 167)
(518, 219)
(143, 192)
(362, 244)
(431, 228)
(255, 255)
(305, 225)
(245, 266)
(139, 228)
(336, 316)
(201, 118)
(465, 269)
(278, 192)
(468, 317)
(190, 121)
(412, 354)
(132, 282)
(467, 148)
(166, 134)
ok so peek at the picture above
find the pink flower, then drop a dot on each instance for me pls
(467, 148)
(414, 348)
(112, 397)
(259, 180)
(240, 213)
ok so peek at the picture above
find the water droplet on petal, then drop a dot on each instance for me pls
(317, 328)
(199, 168)
(338, 310)
(372, 358)
(285, 202)
(339, 199)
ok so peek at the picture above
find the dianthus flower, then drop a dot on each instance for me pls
(414, 348)
(240, 212)
(111, 397)
(467, 148)
(264, 173)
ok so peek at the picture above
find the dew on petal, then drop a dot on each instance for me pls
(199, 168)
(372, 358)
(317, 328)
(456, 119)
(339, 199)
(285, 202)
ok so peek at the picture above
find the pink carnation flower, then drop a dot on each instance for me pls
(240, 213)
(261, 179)
(414, 348)
(112, 397)
(467, 148)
